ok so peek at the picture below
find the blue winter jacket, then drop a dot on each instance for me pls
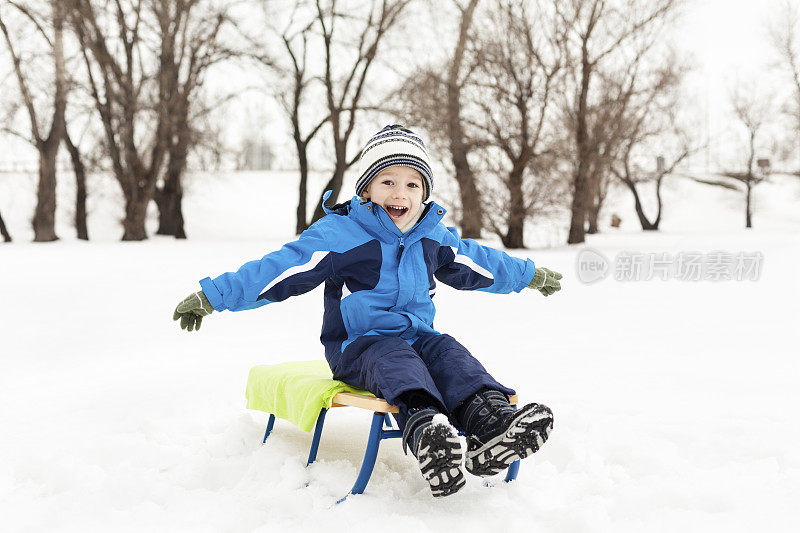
(378, 281)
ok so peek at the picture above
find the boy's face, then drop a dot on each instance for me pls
(399, 191)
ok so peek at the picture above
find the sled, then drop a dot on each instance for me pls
(382, 426)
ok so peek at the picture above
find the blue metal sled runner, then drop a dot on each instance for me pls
(377, 433)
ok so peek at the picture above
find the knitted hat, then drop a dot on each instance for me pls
(394, 146)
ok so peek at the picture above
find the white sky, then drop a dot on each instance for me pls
(728, 41)
(728, 35)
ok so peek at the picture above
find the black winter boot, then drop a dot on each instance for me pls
(435, 444)
(497, 435)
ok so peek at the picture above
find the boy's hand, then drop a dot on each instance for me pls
(192, 310)
(545, 281)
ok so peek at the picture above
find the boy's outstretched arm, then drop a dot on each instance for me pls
(467, 265)
(296, 268)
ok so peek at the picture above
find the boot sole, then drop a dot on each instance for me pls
(529, 429)
(440, 457)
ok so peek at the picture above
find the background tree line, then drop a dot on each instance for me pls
(534, 107)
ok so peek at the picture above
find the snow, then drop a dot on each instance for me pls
(440, 420)
(673, 400)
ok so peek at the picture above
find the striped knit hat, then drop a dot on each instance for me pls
(394, 146)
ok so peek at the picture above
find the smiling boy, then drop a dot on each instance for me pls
(380, 255)
(399, 191)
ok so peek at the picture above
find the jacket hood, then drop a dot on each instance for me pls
(339, 209)
(373, 216)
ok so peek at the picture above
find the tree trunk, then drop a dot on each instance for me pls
(580, 187)
(513, 237)
(471, 208)
(516, 210)
(577, 230)
(599, 189)
(169, 198)
(334, 184)
(594, 214)
(659, 204)
(302, 157)
(748, 218)
(135, 216)
(80, 188)
(44, 218)
(4, 231)
(749, 177)
(646, 224)
(595, 203)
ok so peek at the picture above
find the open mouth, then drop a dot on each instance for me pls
(396, 211)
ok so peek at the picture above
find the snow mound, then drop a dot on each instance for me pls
(673, 398)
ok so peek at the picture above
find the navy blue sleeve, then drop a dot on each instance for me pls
(467, 265)
(296, 268)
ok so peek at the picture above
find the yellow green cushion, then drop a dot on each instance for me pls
(295, 391)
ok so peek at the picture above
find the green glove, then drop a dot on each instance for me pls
(192, 310)
(545, 281)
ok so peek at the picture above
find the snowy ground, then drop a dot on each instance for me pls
(672, 398)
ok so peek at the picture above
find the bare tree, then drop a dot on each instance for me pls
(83, 139)
(634, 117)
(753, 110)
(460, 147)
(119, 74)
(432, 97)
(605, 140)
(785, 36)
(632, 174)
(520, 58)
(47, 144)
(598, 31)
(145, 62)
(344, 93)
(79, 167)
(189, 42)
(649, 125)
(292, 105)
(607, 127)
(297, 39)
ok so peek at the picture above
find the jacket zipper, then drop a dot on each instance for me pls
(400, 249)
(402, 246)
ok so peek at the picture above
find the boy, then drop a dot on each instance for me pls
(380, 255)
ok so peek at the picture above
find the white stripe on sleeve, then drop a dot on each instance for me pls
(316, 258)
(469, 263)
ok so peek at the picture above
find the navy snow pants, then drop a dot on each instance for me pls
(435, 364)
